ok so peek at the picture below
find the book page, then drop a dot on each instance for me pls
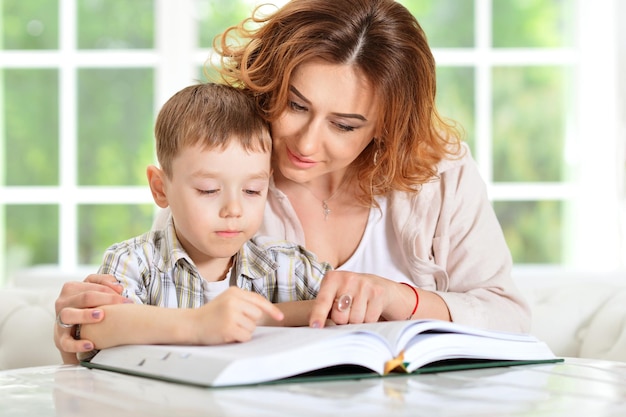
(274, 353)
(431, 347)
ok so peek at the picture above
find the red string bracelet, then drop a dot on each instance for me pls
(417, 299)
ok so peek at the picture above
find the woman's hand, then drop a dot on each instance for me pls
(371, 298)
(367, 302)
(76, 305)
(232, 317)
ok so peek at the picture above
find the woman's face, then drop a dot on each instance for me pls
(329, 120)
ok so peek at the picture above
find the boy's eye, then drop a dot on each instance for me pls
(208, 191)
(252, 192)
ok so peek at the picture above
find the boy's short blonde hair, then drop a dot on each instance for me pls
(211, 115)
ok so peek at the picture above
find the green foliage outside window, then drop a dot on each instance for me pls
(533, 229)
(32, 234)
(30, 24)
(447, 23)
(115, 24)
(217, 15)
(533, 23)
(529, 124)
(102, 225)
(32, 128)
(115, 127)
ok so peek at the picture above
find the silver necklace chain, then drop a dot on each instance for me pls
(326, 209)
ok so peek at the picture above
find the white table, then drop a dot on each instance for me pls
(576, 387)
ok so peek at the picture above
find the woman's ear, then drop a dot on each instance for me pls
(156, 180)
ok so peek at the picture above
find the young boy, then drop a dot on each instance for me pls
(214, 154)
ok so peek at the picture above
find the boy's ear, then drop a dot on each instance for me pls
(156, 180)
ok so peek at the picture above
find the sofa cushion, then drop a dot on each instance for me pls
(605, 335)
(562, 315)
(26, 328)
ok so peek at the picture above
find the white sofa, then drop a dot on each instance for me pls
(27, 316)
(578, 315)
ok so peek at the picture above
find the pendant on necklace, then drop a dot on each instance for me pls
(326, 209)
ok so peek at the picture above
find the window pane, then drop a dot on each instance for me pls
(207, 73)
(529, 121)
(533, 23)
(216, 15)
(32, 235)
(447, 23)
(31, 131)
(101, 226)
(533, 230)
(115, 24)
(115, 125)
(455, 98)
(31, 24)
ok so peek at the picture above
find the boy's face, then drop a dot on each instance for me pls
(217, 198)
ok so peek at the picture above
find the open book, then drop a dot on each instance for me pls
(277, 353)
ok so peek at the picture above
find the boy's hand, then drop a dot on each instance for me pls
(232, 317)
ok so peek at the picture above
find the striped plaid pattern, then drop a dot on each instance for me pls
(154, 269)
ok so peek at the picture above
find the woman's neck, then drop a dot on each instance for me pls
(332, 230)
(324, 187)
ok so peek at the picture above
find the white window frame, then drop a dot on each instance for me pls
(598, 139)
(594, 143)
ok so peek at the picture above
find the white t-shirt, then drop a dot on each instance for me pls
(379, 251)
(213, 289)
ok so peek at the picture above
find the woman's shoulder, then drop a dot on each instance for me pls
(456, 172)
(461, 156)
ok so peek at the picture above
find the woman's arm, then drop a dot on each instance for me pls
(472, 250)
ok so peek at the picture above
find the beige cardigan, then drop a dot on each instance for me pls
(452, 241)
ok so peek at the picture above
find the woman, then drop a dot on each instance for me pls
(367, 175)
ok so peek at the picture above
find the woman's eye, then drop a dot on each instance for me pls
(296, 107)
(345, 128)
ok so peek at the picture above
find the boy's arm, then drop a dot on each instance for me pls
(126, 324)
(296, 313)
(230, 317)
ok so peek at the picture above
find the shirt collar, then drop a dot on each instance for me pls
(173, 247)
(253, 262)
